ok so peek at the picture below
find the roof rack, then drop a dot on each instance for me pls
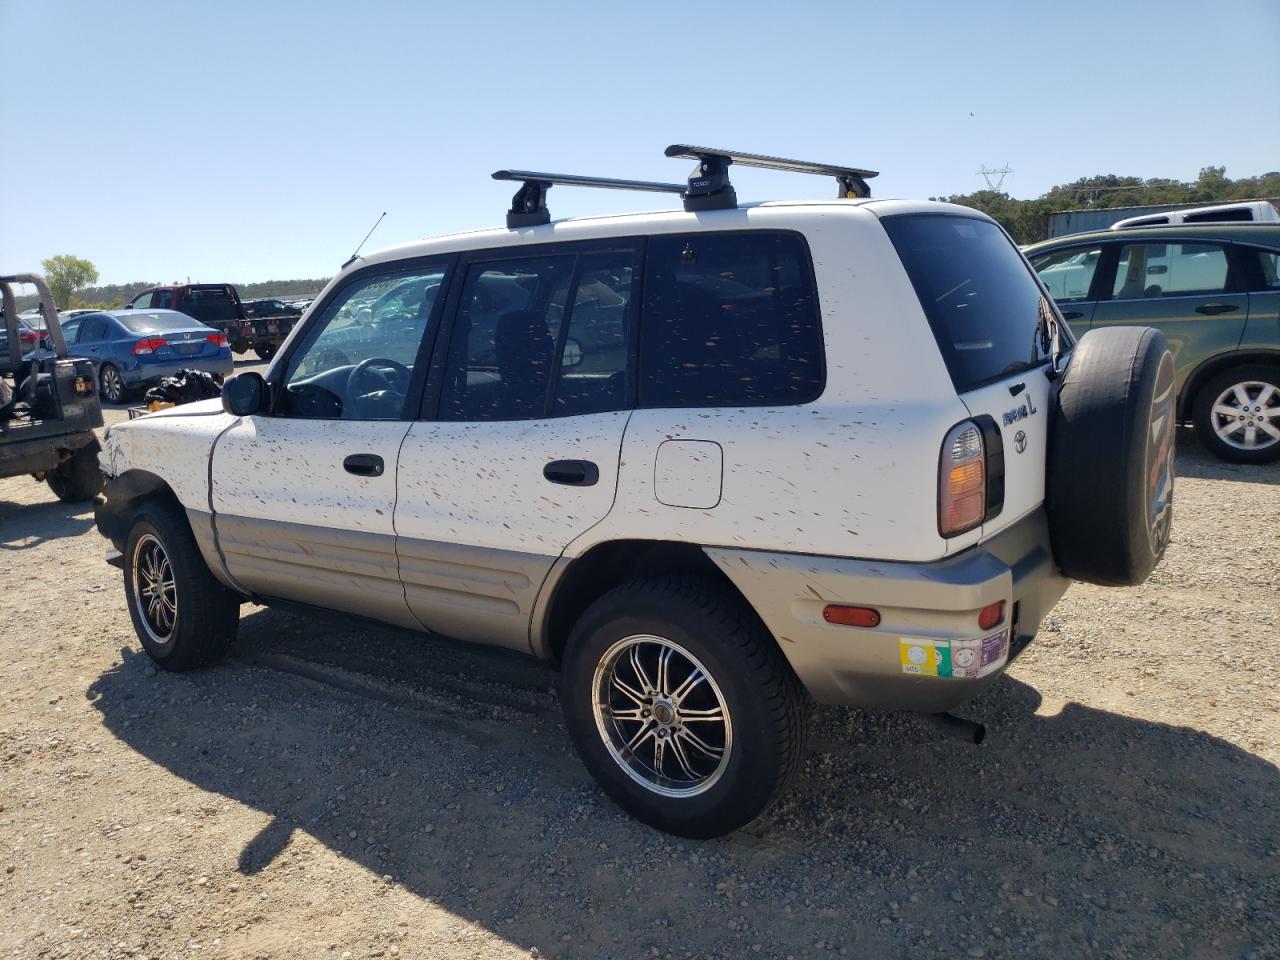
(708, 187)
(529, 205)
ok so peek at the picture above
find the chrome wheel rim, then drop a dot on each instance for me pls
(1246, 415)
(111, 383)
(662, 716)
(154, 589)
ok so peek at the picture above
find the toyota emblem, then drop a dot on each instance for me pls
(1020, 441)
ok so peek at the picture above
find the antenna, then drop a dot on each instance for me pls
(365, 240)
(987, 173)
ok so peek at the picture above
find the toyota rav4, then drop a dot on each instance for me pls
(714, 463)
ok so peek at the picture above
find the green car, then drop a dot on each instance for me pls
(1214, 291)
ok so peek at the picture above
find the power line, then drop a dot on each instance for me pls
(987, 173)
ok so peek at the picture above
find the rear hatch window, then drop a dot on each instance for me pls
(977, 292)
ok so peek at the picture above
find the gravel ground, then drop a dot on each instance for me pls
(350, 793)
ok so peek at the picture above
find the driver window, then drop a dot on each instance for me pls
(356, 362)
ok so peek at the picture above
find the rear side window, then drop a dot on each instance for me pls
(1238, 215)
(977, 293)
(730, 319)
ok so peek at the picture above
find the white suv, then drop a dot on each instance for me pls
(712, 462)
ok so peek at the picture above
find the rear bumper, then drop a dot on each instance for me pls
(145, 372)
(928, 653)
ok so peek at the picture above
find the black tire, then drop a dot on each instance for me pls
(111, 384)
(767, 707)
(1109, 480)
(78, 477)
(1251, 382)
(205, 614)
(265, 351)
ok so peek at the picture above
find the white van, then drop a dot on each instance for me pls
(1261, 211)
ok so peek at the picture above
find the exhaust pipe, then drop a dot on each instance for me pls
(957, 727)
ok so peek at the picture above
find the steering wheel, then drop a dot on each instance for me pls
(356, 388)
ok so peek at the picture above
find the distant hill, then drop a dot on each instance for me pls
(115, 295)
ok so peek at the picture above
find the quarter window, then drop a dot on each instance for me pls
(1270, 265)
(730, 319)
(1150, 270)
(357, 360)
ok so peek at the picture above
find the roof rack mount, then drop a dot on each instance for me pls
(529, 205)
(708, 187)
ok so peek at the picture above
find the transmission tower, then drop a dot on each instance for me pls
(988, 173)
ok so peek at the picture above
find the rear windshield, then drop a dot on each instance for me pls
(977, 292)
(143, 322)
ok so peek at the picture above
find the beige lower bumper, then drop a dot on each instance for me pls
(928, 652)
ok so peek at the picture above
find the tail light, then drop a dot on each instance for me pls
(28, 336)
(148, 346)
(962, 480)
(217, 339)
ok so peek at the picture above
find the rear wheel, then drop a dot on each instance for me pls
(111, 384)
(681, 705)
(264, 350)
(78, 477)
(1237, 414)
(184, 617)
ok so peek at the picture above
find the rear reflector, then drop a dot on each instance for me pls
(851, 616)
(991, 616)
(962, 480)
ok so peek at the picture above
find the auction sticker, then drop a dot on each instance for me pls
(925, 657)
(970, 659)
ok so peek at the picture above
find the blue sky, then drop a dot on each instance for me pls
(251, 141)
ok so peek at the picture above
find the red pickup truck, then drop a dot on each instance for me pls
(218, 305)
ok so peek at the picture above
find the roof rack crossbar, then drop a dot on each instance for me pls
(529, 205)
(709, 186)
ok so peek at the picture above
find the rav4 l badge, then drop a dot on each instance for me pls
(1019, 413)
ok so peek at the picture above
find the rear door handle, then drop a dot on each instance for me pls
(573, 473)
(363, 464)
(1216, 308)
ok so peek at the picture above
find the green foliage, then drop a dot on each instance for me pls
(1026, 220)
(65, 275)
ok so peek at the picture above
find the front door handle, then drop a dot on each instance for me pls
(1212, 309)
(573, 473)
(1072, 315)
(363, 464)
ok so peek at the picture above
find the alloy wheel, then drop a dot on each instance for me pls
(154, 589)
(112, 385)
(1247, 415)
(662, 716)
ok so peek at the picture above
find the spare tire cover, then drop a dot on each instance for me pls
(1109, 477)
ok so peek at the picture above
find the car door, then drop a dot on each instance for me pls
(304, 495)
(91, 337)
(1187, 290)
(517, 452)
(1069, 273)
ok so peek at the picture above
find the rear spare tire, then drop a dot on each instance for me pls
(1109, 479)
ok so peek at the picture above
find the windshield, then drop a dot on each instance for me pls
(160, 321)
(981, 299)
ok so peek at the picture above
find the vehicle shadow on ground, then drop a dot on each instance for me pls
(1194, 460)
(26, 525)
(447, 769)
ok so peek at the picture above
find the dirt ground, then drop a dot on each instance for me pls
(351, 793)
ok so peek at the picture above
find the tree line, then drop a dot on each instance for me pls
(1027, 220)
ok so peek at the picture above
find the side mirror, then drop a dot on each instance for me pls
(245, 394)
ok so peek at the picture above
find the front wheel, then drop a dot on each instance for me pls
(681, 705)
(1237, 414)
(264, 350)
(184, 617)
